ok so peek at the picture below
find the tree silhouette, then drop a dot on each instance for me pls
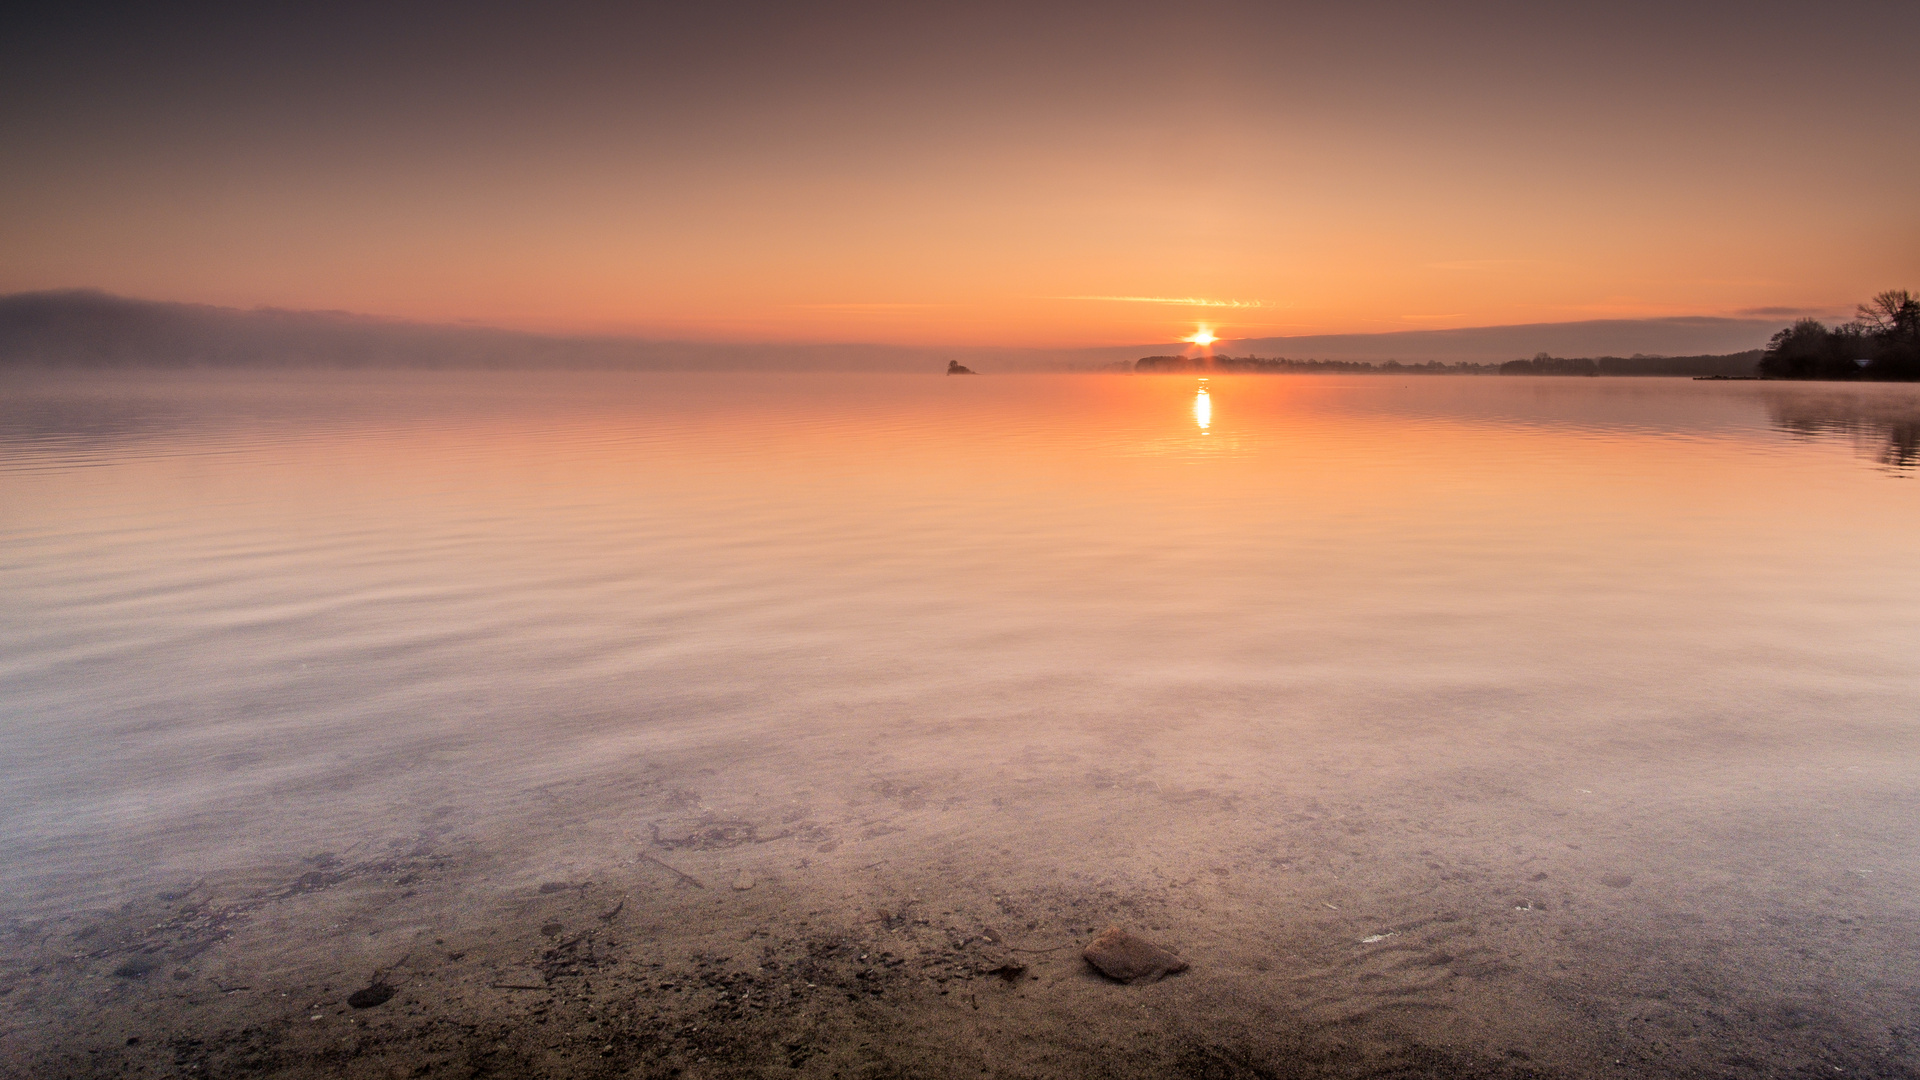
(1883, 343)
(1893, 313)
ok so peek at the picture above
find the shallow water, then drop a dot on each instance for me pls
(1548, 720)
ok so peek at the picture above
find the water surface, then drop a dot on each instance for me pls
(1546, 722)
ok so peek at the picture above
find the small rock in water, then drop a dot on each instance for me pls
(377, 994)
(137, 968)
(743, 881)
(1123, 956)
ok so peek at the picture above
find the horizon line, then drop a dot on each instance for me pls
(475, 325)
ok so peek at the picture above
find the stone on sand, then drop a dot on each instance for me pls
(377, 993)
(1129, 958)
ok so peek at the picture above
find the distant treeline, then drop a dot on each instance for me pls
(1282, 366)
(1882, 343)
(1731, 364)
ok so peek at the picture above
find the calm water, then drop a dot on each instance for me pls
(1623, 670)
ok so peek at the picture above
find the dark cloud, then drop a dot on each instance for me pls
(1593, 337)
(1784, 312)
(608, 60)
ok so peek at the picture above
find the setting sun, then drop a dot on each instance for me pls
(1202, 337)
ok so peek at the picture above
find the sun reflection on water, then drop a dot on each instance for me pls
(1202, 407)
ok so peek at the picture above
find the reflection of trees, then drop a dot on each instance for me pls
(1885, 428)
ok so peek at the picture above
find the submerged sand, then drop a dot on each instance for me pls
(913, 927)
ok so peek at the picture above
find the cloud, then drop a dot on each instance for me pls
(1182, 301)
(1781, 311)
(1484, 264)
(860, 306)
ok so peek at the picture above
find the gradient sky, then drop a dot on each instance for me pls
(981, 174)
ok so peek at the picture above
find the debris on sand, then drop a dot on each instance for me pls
(743, 881)
(1010, 972)
(684, 878)
(1128, 958)
(1617, 881)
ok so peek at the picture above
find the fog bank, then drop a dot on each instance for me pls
(87, 328)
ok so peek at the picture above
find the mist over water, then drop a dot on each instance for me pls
(1542, 720)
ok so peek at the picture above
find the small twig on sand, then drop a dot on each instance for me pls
(688, 878)
(607, 916)
(1056, 948)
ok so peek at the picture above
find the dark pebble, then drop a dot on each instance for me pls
(377, 994)
(137, 968)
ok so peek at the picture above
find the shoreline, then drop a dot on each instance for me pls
(737, 944)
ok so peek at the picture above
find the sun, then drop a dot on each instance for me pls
(1202, 337)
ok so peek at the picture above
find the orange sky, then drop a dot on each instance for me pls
(988, 176)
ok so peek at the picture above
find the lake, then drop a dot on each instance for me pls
(810, 725)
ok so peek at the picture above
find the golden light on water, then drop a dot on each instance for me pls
(1202, 407)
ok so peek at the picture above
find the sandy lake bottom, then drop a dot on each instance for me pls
(486, 724)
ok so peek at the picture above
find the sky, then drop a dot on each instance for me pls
(980, 174)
